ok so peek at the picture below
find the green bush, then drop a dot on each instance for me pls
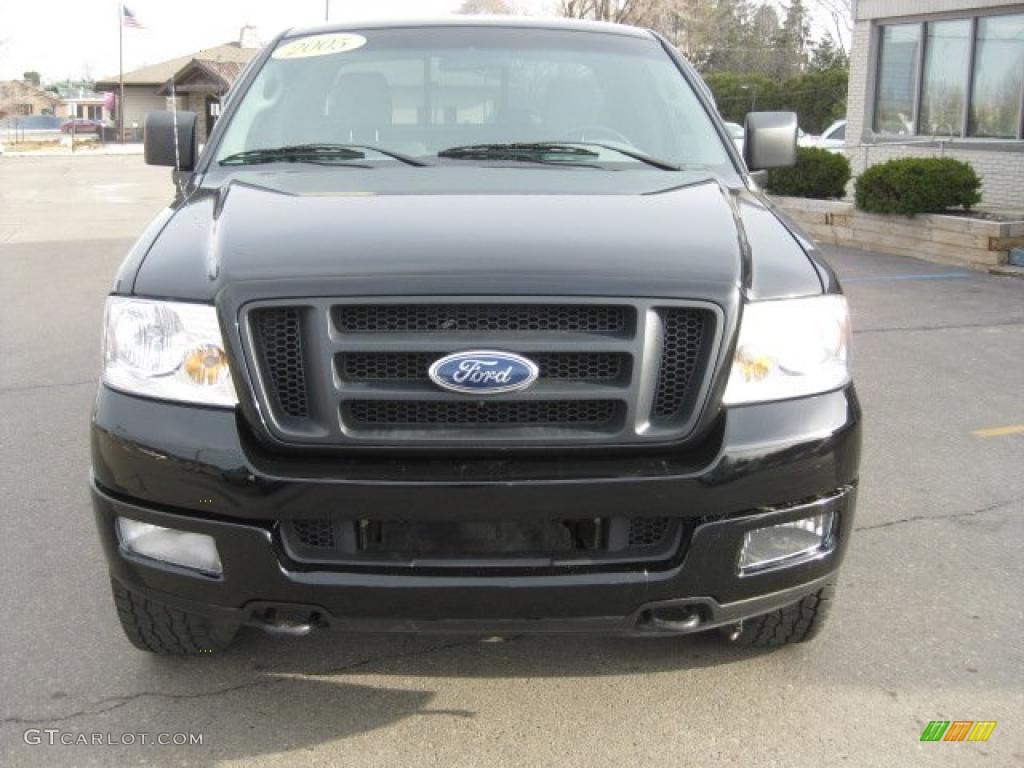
(818, 173)
(917, 185)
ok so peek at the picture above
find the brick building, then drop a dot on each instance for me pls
(935, 78)
(22, 99)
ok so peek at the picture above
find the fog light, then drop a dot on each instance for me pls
(786, 544)
(190, 550)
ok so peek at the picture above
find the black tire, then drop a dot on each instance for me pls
(795, 623)
(158, 628)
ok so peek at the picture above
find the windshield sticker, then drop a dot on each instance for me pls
(319, 45)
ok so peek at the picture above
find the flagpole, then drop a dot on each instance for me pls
(120, 70)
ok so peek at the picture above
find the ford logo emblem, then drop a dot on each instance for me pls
(483, 372)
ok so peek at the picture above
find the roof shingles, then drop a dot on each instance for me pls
(229, 55)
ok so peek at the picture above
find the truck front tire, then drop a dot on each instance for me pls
(158, 628)
(795, 623)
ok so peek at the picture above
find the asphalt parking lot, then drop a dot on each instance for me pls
(929, 622)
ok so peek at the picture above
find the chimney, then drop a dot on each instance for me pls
(247, 38)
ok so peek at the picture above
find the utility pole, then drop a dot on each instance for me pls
(327, 10)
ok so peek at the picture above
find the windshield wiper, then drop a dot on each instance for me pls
(312, 153)
(538, 151)
(400, 156)
(293, 153)
(664, 165)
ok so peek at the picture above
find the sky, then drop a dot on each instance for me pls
(72, 38)
(79, 38)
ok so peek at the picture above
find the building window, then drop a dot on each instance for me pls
(944, 82)
(956, 77)
(998, 77)
(23, 109)
(897, 78)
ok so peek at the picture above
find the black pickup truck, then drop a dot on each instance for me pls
(472, 326)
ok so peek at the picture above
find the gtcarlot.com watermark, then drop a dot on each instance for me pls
(55, 737)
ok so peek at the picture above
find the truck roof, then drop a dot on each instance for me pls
(511, 22)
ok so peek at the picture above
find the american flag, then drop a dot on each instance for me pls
(129, 20)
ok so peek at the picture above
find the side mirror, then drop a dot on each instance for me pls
(161, 145)
(769, 140)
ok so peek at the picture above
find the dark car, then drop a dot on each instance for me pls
(82, 125)
(473, 326)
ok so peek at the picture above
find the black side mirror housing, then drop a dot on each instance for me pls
(770, 140)
(165, 146)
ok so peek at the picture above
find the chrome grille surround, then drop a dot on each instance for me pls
(603, 357)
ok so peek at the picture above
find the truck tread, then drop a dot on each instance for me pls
(158, 628)
(794, 623)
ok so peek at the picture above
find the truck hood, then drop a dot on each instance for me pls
(474, 231)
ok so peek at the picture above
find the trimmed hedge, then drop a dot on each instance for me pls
(818, 173)
(917, 185)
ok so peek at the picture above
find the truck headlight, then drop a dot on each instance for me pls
(167, 350)
(790, 348)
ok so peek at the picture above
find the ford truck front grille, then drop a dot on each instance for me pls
(681, 340)
(281, 360)
(355, 372)
(491, 318)
(413, 366)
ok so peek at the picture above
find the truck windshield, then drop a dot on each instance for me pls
(464, 95)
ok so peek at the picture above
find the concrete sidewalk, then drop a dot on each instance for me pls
(82, 150)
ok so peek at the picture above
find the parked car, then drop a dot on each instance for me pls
(735, 131)
(832, 138)
(541, 358)
(82, 125)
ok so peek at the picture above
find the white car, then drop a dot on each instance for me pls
(832, 138)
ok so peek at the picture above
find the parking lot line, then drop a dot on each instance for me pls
(1012, 429)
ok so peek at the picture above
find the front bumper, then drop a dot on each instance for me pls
(193, 469)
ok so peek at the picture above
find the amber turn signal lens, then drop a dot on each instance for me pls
(754, 368)
(207, 365)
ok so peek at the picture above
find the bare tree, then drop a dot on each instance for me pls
(619, 11)
(688, 24)
(494, 7)
(841, 14)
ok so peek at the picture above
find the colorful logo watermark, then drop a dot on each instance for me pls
(958, 730)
